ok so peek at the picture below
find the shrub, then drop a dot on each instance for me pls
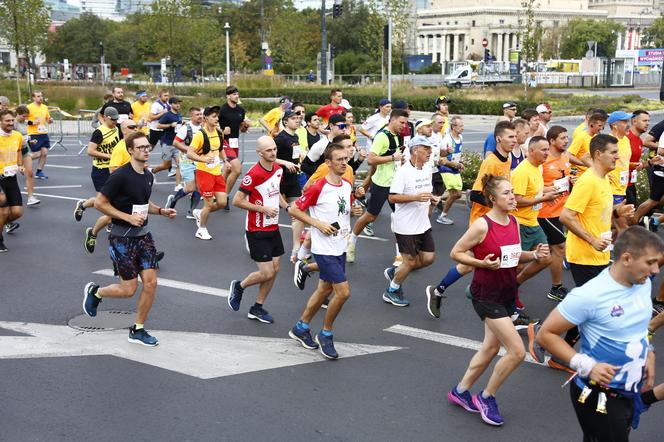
(471, 162)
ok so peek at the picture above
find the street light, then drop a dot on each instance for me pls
(227, 28)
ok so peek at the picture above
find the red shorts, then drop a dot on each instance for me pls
(209, 184)
(232, 153)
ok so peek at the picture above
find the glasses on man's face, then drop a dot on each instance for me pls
(341, 126)
(144, 147)
(298, 113)
(132, 127)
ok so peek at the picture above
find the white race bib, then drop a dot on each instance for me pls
(633, 177)
(140, 209)
(509, 256)
(41, 129)
(214, 164)
(406, 140)
(233, 143)
(624, 177)
(456, 157)
(562, 184)
(607, 235)
(10, 170)
(296, 151)
(344, 231)
(270, 220)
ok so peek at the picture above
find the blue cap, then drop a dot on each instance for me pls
(141, 94)
(618, 116)
(420, 140)
(383, 102)
(400, 105)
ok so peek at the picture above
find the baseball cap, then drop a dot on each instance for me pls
(345, 104)
(336, 119)
(442, 99)
(509, 104)
(174, 100)
(140, 94)
(425, 122)
(230, 90)
(618, 116)
(287, 114)
(420, 140)
(383, 102)
(401, 104)
(543, 108)
(111, 113)
(211, 110)
(284, 99)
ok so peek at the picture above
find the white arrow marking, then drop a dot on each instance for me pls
(456, 341)
(190, 287)
(58, 166)
(56, 196)
(201, 355)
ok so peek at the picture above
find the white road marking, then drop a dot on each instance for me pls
(71, 186)
(56, 196)
(58, 166)
(375, 238)
(187, 286)
(442, 338)
(201, 355)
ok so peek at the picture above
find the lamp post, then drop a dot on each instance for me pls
(227, 28)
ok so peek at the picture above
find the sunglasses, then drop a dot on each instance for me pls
(298, 113)
(341, 125)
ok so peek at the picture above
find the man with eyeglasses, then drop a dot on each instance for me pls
(545, 113)
(125, 198)
(101, 145)
(337, 126)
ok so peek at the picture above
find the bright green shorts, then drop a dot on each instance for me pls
(452, 181)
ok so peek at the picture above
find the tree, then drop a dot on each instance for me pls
(550, 46)
(24, 25)
(578, 32)
(653, 36)
(531, 34)
(295, 39)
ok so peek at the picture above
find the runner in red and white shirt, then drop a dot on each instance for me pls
(639, 125)
(329, 202)
(259, 195)
(334, 108)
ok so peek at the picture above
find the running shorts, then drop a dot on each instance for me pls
(209, 184)
(617, 199)
(9, 186)
(99, 177)
(553, 229)
(43, 142)
(169, 153)
(657, 187)
(332, 268)
(154, 137)
(291, 190)
(379, 195)
(412, 245)
(437, 183)
(491, 310)
(263, 246)
(452, 181)
(531, 236)
(132, 254)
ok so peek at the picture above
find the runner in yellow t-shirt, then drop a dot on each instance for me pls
(120, 156)
(141, 111)
(619, 177)
(11, 163)
(270, 120)
(38, 120)
(579, 150)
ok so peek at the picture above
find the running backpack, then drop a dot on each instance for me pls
(206, 140)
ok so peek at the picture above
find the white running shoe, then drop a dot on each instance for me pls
(350, 252)
(178, 187)
(443, 219)
(197, 217)
(172, 173)
(202, 233)
(32, 201)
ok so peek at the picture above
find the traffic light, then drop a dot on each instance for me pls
(337, 9)
(332, 49)
(487, 55)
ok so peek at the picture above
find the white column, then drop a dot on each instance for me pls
(619, 42)
(499, 49)
(506, 49)
(455, 48)
(439, 48)
(443, 49)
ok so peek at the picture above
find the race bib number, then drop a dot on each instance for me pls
(607, 235)
(562, 184)
(233, 143)
(509, 256)
(10, 170)
(537, 206)
(456, 157)
(41, 128)
(270, 220)
(406, 140)
(122, 118)
(624, 176)
(632, 179)
(140, 209)
(296, 151)
(216, 162)
(344, 231)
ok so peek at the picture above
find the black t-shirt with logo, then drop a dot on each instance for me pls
(126, 189)
(231, 117)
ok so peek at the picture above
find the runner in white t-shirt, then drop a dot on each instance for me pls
(157, 110)
(411, 193)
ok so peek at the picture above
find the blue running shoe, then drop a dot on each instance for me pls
(389, 273)
(395, 298)
(90, 301)
(259, 314)
(235, 295)
(141, 336)
(303, 337)
(488, 409)
(40, 175)
(463, 400)
(326, 346)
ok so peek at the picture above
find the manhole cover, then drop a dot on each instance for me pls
(105, 320)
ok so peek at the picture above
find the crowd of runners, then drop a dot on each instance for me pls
(542, 200)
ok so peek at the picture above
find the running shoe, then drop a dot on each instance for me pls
(202, 233)
(303, 337)
(536, 351)
(160, 255)
(109, 228)
(557, 293)
(519, 305)
(141, 336)
(389, 273)
(32, 201)
(325, 303)
(228, 204)
(463, 400)
(657, 307)
(260, 314)
(300, 274)
(368, 230)
(169, 201)
(40, 175)
(650, 223)
(190, 215)
(557, 364)
(443, 219)
(326, 346)
(178, 187)
(350, 252)
(90, 301)
(197, 217)
(488, 409)
(78, 210)
(433, 301)
(10, 227)
(3, 247)
(522, 321)
(90, 241)
(235, 295)
(172, 173)
(397, 261)
(395, 298)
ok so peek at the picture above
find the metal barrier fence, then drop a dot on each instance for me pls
(55, 132)
(86, 124)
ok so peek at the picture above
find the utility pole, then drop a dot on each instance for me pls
(323, 44)
(389, 56)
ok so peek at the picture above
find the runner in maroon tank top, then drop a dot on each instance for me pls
(493, 247)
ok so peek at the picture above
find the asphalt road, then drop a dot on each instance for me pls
(217, 375)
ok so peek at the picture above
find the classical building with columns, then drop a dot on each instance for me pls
(454, 33)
